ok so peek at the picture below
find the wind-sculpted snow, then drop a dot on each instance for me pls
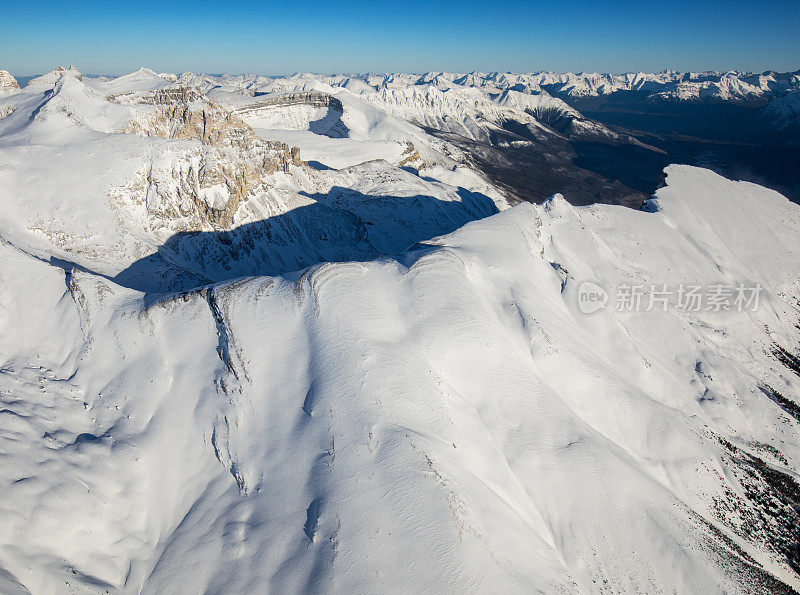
(448, 419)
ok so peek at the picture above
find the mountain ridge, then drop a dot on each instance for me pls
(319, 451)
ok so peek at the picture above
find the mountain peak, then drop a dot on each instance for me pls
(49, 79)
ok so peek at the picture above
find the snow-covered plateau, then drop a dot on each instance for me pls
(273, 335)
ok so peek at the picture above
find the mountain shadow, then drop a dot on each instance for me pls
(342, 225)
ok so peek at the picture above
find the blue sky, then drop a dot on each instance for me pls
(283, 37)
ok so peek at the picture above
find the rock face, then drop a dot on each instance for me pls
(328, 125)
(158, 97)
(8, 84)
(211, 182)
(308, 98)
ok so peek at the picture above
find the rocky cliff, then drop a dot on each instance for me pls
(230, 164)
(8, 84)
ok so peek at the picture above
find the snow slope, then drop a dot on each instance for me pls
(444, 420)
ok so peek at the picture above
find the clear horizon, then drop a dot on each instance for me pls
(420, 72)
(272, 38)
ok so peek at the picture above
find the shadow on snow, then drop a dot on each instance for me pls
(342, 225)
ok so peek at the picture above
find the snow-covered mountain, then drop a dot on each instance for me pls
(276, 335)
(473, 107)
(784, 112)
(732, 86)
(160, 162)
(467, 103)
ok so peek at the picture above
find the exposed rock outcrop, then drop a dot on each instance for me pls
(169, 96)
(410, 157)
(8, 84)
(206, 186)
(308, 98)
(295, 153)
